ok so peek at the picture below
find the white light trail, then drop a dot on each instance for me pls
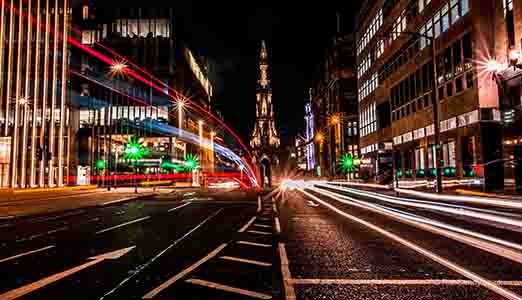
(446, 208)
(478, 240)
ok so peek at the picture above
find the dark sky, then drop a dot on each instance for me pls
(230, 36)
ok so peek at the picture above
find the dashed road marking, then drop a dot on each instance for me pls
(229, 288)
(178, 207)
(123, 224)
(117, 201)
(264, 219)
(246, 261)
(261, 225)
(25, 253)
(183, 273)
(277, 225)
(143, 266)
(247, 224)
(254, 244)
(32, 237)
(259, 232)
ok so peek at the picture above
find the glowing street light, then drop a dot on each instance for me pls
(319, 137)
(118, 67)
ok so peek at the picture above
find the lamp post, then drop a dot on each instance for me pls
(116, 69)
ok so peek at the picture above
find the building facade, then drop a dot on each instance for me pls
(113, 107)
(334, 106)
(35, 111)
(398, 103)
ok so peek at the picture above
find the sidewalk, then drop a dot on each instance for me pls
(17, 204)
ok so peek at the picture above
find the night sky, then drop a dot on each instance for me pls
(230, 36)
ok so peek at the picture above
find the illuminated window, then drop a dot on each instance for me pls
(85, 12)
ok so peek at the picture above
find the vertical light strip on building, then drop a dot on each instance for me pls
(23, 170)
(63, 95)
(2, 49)
(9, 68)
(15, 147)
(53, 95)
(45, 91)
(35, 95)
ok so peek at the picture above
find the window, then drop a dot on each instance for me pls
(85, 12)
(508, 14)
(142, 27)
(399, 25)
(446, 16)
(421, 4)
(368, 119)
(372, 29)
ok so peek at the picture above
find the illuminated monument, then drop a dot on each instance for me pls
(265, 138)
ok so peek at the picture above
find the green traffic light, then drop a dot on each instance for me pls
(100, 164)
(347, 163)
(191, 162)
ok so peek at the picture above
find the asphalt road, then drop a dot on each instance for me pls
(218, 247)
(340, 251)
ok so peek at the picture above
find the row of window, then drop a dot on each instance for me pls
(454, 69)
(368, 86)
(446, 16)
(142, 27)
(364, 66)
(89, 117)
(370, 32)
(399, 25)
(368, 119)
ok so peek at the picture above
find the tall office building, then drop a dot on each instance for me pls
(35, 112)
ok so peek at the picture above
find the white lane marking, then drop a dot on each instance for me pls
(277, 225)
(246, 261)
(469, 274)
(142, 267)
(258, 203)
(397, 282)
(287, 276)
(31, 287)
(264, 219)
(247, 224)
(228, 288)
(94, 219)
(274, 207)
(254, 244)
(123, 224)
(183, 273)
(117, 201)
(259, 232)
(32, 237)
(178, 207)
(261, 225)
(25, 253)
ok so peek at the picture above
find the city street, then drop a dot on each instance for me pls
(213, 247)
(342, 250)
